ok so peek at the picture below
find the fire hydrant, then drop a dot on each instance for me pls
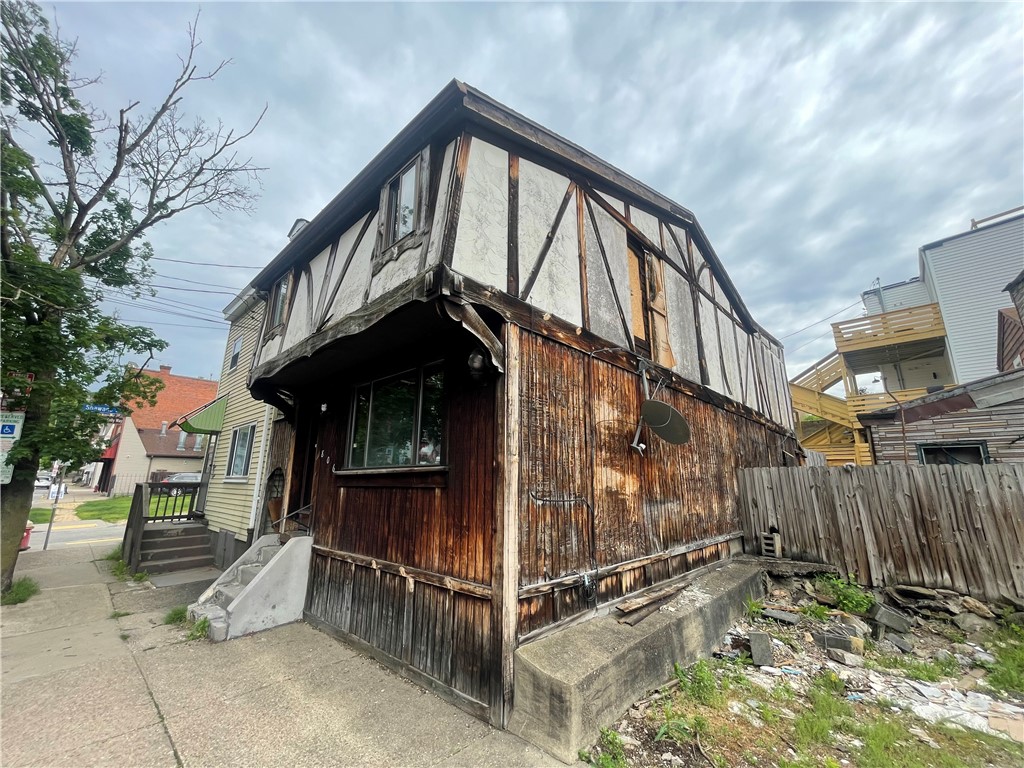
(24, 539)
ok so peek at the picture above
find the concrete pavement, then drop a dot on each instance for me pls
(83, 686)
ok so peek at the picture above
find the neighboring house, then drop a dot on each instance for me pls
(1010, 334)
(936, 330)
(461, 343)
(146, 447)
(977, 423)
(238, 425)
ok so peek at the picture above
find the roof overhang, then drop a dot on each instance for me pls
(990, 392)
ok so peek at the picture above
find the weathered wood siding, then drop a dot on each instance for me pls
(589, 503)
(406, 567)
(1000, 427)
(956, 528)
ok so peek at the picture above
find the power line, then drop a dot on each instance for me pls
(204, 263)
(193, 290)
(200, 282)
(175, 325)
(826, 333)
(794, 333)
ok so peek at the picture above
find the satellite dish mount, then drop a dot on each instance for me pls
(664, 420)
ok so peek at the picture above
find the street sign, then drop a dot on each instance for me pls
(106, 410)
(11, 423)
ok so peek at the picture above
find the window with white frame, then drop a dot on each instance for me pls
(236, 353)
(240, 450)
(401, 204)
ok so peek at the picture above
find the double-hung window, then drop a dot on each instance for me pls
(240, 451)
(236, 353)
(398, 421)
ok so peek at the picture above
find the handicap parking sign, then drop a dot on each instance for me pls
(8, 430)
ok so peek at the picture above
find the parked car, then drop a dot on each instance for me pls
(44, 480)
(181, 477)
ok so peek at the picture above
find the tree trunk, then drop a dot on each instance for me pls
(16, 498)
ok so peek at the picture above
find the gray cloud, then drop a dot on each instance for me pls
(818, 144)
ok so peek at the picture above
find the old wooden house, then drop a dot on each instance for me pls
(461, 342)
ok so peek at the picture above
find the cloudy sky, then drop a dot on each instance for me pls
(819, 145)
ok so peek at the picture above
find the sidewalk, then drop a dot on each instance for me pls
(83, 688)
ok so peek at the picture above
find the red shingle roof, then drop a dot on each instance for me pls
(180, 395)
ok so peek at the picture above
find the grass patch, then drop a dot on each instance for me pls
(920, 669)
(698, 683)
(39, 515)
(109, 510)
(200, 629)
(119, 569)
(113, 555)
(752, 608)
(21, 590)
(847, 593)
(1007, 674)
(120, 614)
(611, 752)
(815, 611)
(177, 615)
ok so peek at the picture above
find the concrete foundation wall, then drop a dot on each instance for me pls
(569, 685)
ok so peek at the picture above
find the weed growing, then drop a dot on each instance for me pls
(699, 683)
(177, 615)
(815, 611)
(753, 608)
(612, 753)
(119, 614)
(920, 669)
(849, 595)
(1007, 674)
(21, 590)
(200, 629)
(113, 555)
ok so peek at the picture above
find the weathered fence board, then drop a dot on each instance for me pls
(958, 528)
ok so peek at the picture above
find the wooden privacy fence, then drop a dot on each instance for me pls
(951, 527)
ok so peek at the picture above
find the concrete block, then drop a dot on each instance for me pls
(849, 659)
(570, 684)
(860, 627)
(761, 649)
(783, 617)
(972, 623)
(889, 618)
(905, 644)
(829, 640)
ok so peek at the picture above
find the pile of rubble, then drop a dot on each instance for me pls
(916, 626)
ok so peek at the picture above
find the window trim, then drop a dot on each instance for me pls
(236, 355)
(420, 371)
(251, 426)
(390, 240)
(981, 445)
(280, 294)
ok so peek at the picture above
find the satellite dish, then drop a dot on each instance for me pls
(665, 421)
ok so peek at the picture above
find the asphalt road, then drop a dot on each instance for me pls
(77, 533)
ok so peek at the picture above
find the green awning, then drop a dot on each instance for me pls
(205, 420)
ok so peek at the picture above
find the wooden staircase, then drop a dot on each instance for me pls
(168, 547)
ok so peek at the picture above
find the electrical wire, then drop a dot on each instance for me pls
(193, 290)
(794, 333)
(204, 263)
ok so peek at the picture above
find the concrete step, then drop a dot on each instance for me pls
(246, 573)
(168, 553)
(226, 593)
(176, 564)
(267, 553)
(172, 542)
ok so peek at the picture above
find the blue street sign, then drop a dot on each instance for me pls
(106, 410)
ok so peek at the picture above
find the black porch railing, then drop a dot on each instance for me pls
(156, 503)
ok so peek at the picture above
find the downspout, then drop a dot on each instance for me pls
(258, 494)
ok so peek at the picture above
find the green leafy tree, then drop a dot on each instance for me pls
(79, 191)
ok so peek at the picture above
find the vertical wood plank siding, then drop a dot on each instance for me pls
(589, 503)
(958, 528)
(405, 569)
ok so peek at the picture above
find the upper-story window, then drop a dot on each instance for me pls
(236, 353)
(279, 302)
(402, 204)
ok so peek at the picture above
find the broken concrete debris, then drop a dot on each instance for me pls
(761, 649)
(905, 644)
(888, 617)
(783, 617)
(827, 640)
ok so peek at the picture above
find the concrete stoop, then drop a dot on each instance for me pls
(264, 588)
(569, 685)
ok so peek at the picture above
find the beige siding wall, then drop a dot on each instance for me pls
(132, 464)
(229, 501)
